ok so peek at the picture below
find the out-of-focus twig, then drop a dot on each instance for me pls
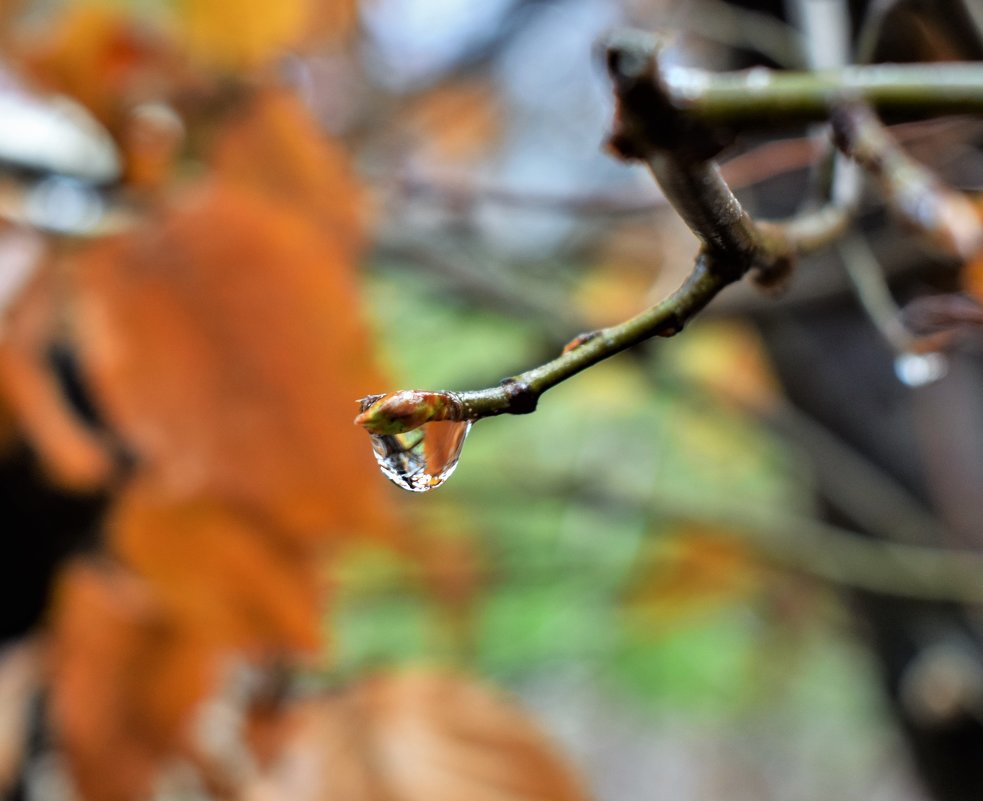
(870, 286)
(842, 557)
(946, 217)
(759, 98)
(745, 28)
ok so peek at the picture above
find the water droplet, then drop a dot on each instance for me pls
(63, 205)
(919, 369)
(424, 458)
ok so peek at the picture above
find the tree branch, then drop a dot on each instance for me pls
(765, 99)
(944, 216)
(843, 558)
(677, 122)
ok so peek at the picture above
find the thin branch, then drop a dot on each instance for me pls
(764, 99)
(648, 127)
(460, 195)
(745, 28)
(837, 555)
(872, 290)
(943, 215)
(857, 487)
(786, 538)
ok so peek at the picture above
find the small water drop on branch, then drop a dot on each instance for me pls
(424, 458)
(416, 436)
(919, 369)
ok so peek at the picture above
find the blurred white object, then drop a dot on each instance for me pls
(55, 160)
(55, 135)
(919, 369)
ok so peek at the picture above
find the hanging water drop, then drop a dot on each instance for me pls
(424, 458)
(919, 369)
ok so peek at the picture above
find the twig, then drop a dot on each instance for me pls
(763, 99)
(460, 195)
(834, 554)
(941, 214)
(786, 538)
(871, 288)
(679, 152)
(745, 28)
(855, 486)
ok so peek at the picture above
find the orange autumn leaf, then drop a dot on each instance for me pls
(72, 455)
(224, 346)
(220, 342)
(422, 735)
(219, 573)
(125, 681)
(104, 57)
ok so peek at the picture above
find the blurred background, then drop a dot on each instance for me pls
(696, 572)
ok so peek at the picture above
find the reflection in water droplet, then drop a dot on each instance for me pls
(422, 459)
(918, 369)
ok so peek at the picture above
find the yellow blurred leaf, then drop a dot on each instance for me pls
(728, 358)
(689, 571)
(241, 34)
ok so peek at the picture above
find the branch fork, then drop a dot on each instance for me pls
(676, 121)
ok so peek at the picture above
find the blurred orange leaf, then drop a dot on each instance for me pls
(274, 147)
(72, 454)
(220, 573)
(224, 346)
(455, 123)
(221, 343)
(104, 57)
(417, 736)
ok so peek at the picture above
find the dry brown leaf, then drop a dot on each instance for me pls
(125, 681)
(423, 735)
